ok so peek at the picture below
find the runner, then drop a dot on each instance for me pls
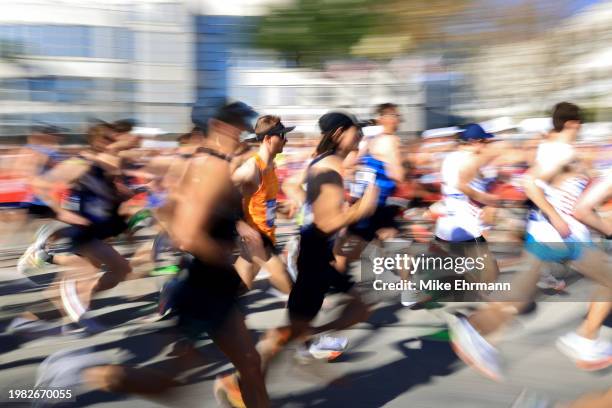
(459, 230)
(200, 214)
(554, 184)
(324, 197)
(91, 210)
(259, 184)
(38, 157)
(378, 162)
(584, 346)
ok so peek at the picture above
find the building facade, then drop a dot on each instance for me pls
(65, 62)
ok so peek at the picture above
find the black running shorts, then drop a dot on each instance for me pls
(316, 276)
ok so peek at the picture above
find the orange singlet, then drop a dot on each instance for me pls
(260, 207)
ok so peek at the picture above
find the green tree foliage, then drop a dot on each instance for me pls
(313, 31)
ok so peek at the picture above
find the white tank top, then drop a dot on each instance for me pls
(462, 220)
(563, 198)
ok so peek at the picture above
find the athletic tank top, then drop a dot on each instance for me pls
(260, 207)
(371, 170)
(462, 220)
(562, 197)
(94, 196)
(312, 188)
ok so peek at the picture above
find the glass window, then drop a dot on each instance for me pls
(50, 40)
(123, 43)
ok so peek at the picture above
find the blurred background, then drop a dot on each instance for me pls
(160, 62)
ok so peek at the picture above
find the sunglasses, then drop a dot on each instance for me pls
(282, 136)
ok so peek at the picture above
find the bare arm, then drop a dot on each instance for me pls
(466, 174)
(247, 175)
(535, 193)
(593, 198)
(292, 187)
(61, 176)
(389, 146)
(329, 212)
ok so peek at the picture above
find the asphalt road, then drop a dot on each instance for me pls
(399, 358)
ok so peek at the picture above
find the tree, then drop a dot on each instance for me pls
(313, 31)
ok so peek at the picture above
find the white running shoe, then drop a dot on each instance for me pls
(410, 297)
(548, 281)
(324, 348)
(33, 259)
(588, 354)
(473, 349)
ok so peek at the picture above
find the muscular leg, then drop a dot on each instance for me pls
(234, 340)
(598, 312)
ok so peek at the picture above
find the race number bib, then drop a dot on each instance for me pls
(363, 178)
(270, 212)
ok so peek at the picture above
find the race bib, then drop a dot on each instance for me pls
(270, 212)
(363, 178)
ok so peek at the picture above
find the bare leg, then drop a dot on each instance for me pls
(347, 249)
(234, 340)
(495, 315)
(592, 400)
(355, 311)
(246, 270)
(595, 264)
(598, 312)
(273, 341)
(279, 277)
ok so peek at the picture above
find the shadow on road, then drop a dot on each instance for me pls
(379, 385)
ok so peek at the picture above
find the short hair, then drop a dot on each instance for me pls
(123, 125)
(265, 124)
(384, 108)
(98, 130)
(564, 112)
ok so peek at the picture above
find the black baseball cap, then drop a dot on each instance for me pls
(335, 120)
(278, 129)
(237, 114)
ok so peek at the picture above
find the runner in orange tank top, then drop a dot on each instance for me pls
(259, 184)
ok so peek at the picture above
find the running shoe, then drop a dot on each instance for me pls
(167, 296)
(473, 349)
(227, 391)
(34, 258)
(590, 355)
(548, 281)
(167, 270)
(32, 328)
(324, 348)
(410, 298)
(141, 219)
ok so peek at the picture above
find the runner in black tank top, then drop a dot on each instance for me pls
(201, 217)
(325, 198)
